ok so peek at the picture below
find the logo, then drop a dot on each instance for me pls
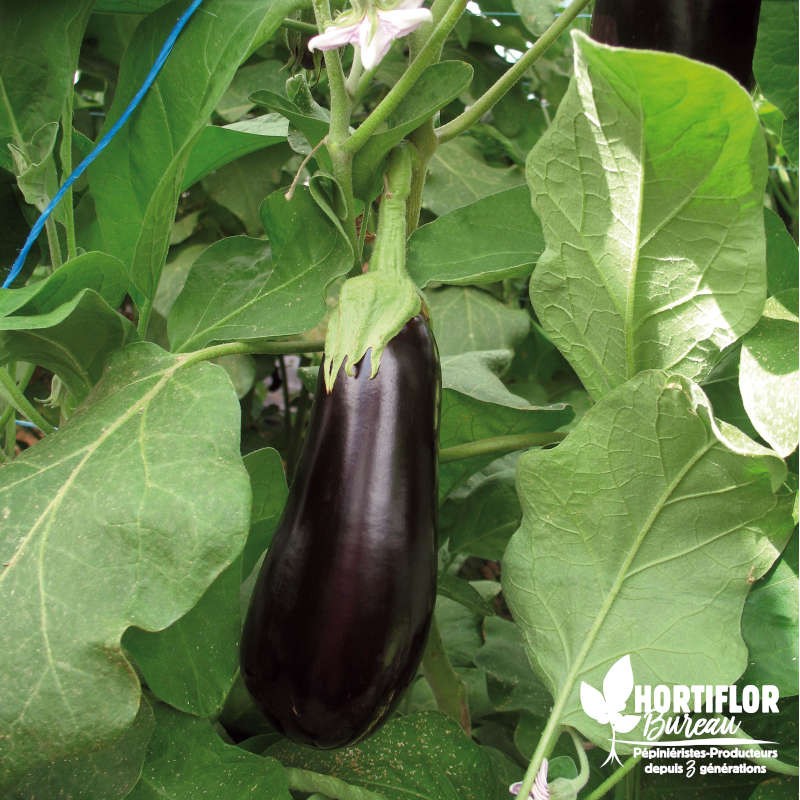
(703, 714)
(607, 708)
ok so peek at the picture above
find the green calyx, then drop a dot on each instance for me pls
(374, 307)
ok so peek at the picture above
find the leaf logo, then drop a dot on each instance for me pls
(607, 708)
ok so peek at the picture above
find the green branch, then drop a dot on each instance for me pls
(497, 445)
(613, 779)
(506, 81)
(447, 687)
(299, 25)
(426, 56)
(259, 347)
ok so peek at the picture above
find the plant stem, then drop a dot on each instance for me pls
(498, 445)
(547, 741)
(51, 229)
(498, 89)
(14, 396)
(426, 56)
(144, 317)
(341, 160)
(304, 780)
(613, 779)
(447, 687)
(299, 25)
(254, 347)
(66, 169)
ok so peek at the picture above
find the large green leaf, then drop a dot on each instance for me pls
(137, 181)
(104, 773)
(187, 759)
(782, 270)
(115, 520)
(98, 271)
(242, 288)
(220, 144)
(74, 340)
(769, 376)
(37, 66)
(192, 663)
(775, 64)
(479, 518)
(649, 510)
(425, 756)
(770, 626)
(459, 176)
(489, 240)
(649, 185)
(466, 319)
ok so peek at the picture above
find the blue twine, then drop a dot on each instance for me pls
(166, 49)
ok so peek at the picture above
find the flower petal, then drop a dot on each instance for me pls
(334, 36)
(375, 42)
(400, 22)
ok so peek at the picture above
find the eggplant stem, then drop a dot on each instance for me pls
(497, 445)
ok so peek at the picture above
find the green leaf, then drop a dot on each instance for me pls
(649, 185)
(423, 755)
(464, 594)
(137, 182)
(98, 271)
(115, 520)
(219, 145)
(492, 239)
(776, 788)
(537, 15)
(128, 6)
(236, 102)
(781, 255)
(268, 483)
(187, 759)
(467, 319)
(242, 185)
(459, 625)
(242, 288)
(192, 663)
(479, 518)
(503, 658)
(775, 64)
(770, 626)
(312, 120)
(649, 510)
(476, 405)
(74, 340)
(438, 85)
(37, 66)
(106, 772)
(459, 176)
(769, 377)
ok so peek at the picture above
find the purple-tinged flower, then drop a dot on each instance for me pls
(374, 32)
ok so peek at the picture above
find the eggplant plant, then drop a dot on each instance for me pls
(398, 399)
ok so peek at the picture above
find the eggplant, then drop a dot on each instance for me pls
(341, 609)
(718, 32)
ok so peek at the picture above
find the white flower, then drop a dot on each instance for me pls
(374, 32)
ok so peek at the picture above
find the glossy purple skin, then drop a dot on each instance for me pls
(718, 32)
(342, 606)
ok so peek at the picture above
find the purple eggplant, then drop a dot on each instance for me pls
(341, 609)
(718, 32)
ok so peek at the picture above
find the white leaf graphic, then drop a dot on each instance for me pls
(594, 704)
(625, 723)
(618, 685)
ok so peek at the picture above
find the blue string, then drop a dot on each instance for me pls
(166, 49)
